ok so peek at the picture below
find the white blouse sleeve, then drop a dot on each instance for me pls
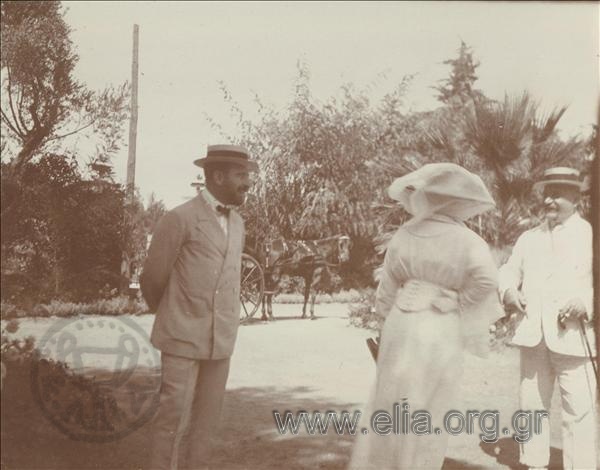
(481, 277)
(389, 282)
(478, 299)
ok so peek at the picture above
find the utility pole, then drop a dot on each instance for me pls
(134, 117)
(128, 272)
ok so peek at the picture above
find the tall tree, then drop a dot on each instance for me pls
(59, 226)
(314, 160)
(458, 88)
(316, 175)
(42, 101)
(508, 143)
(516, 143)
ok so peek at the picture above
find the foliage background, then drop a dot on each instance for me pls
(71, 233)
(325, 166)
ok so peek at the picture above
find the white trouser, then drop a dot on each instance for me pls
(191, 398)
(539, 369)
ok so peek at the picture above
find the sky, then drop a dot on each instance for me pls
(186, 49)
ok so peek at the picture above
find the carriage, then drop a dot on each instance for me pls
(258, 267)
(263, 265)
(252, 287)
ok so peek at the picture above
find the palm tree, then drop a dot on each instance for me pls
(515, 144)
(509, 144)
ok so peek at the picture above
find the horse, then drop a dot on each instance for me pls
(309, 259)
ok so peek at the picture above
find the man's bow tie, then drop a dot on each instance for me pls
(223, 210)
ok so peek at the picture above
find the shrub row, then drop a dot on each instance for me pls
(124, 305)
(114, 306)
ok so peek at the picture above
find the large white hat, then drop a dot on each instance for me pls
(442, 188)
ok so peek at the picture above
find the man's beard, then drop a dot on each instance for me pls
(237, 197)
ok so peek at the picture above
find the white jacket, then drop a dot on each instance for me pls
(551, 267)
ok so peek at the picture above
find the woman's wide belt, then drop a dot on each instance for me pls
(416, 295)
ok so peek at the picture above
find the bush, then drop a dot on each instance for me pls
(8, 310)
(362, 313)
(290, 285)
(19, 356)
(344, 297)
(115, 306)
(63, 235)
(17, 390)
(13, 351)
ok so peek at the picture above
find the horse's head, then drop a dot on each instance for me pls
(343, 248)
(335, 249)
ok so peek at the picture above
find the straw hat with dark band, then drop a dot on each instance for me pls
(560, 175)
(227, 154)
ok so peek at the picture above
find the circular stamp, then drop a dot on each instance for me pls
(96, 380)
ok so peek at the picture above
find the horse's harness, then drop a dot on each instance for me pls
(312, 255)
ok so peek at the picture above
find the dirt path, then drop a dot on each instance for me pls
(288, 364)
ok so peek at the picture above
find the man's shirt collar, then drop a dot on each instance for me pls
(212, 201)
(568, 222)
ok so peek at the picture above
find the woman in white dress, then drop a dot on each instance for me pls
(437, 292)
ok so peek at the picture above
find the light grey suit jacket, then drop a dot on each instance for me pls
(191, 279)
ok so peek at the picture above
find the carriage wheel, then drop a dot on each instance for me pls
(252, 287)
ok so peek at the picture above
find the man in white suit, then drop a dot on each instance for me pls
(548, 284)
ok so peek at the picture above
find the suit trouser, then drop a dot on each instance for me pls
(539, 369)
(191, 398)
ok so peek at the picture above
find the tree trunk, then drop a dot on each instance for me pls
(32, 143)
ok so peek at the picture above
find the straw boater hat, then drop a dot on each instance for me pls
(442, 188)
(227, 154)
(560, 175)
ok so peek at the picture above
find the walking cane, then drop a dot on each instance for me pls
(589, 349)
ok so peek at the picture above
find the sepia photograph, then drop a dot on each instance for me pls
(339, 235)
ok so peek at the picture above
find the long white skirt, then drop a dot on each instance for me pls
(419, 365)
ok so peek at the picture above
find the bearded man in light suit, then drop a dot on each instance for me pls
(548, 284)
(191, 279)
